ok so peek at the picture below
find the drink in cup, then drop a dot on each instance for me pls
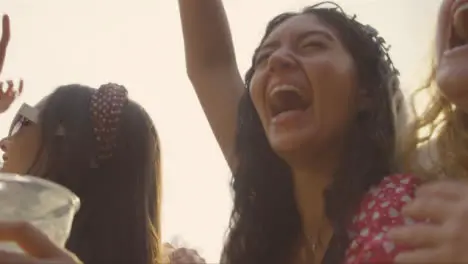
(48, 206)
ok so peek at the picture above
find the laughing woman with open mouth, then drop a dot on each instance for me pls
(313, 160)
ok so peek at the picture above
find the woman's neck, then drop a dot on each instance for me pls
(310, 181)
(309, 187)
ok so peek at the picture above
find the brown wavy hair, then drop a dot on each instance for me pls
(265, 222)
(435, 144)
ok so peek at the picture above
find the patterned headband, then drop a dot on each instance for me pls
(107, 104)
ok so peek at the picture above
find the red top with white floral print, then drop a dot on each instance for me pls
(379, 211)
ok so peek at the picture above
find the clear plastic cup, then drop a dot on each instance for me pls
(48, 206)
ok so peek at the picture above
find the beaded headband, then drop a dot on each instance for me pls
(107, 104)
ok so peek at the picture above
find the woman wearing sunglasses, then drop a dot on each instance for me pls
(103, 147)
(39, 248)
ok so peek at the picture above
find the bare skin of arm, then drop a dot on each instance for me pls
(212, 68)
(9, 95)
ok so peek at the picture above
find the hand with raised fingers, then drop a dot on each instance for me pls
(9, 93)
(38, 247)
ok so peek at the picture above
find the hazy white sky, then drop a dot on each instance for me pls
(139, 44)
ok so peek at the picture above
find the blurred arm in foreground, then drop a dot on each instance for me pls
(38, 247)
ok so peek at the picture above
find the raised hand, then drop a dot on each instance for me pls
(8, 93)
(5, 39)
(212, 68)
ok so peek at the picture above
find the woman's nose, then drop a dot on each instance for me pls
(4, 144)
(281, 60)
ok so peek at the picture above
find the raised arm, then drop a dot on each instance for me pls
(7, 94)
(212, 67)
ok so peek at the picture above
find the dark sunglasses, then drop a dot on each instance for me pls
(26, 116)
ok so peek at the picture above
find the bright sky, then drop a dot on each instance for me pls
(139, 44)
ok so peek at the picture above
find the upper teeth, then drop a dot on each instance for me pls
(285, 87)
(459, 21)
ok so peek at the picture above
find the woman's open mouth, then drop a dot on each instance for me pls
(287, 100)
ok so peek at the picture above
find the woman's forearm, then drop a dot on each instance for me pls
(212, 67)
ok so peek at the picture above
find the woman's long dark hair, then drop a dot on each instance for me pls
(265, 224)
(119, 217)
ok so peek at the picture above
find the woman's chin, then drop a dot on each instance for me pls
(8, 168)
(5, 168)
(288, 147)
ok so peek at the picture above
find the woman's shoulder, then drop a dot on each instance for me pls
(379, 211)
(386, 199)
(391, 188)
